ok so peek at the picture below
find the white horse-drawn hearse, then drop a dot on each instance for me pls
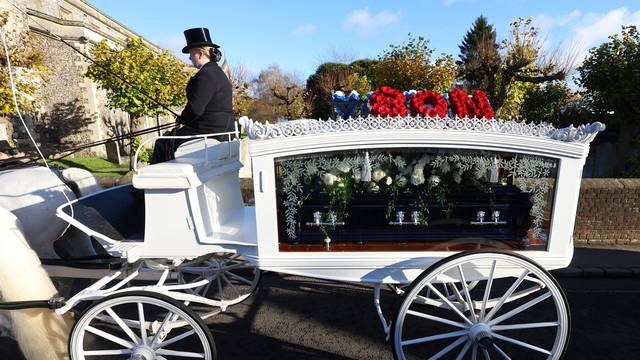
(461, 217)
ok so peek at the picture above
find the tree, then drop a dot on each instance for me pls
(409, 66)
(278, 95)
(27, 65)
(546, 102)
(479, 55)
(519, 59)
(240, 84)
(159, 74)
(610, 76)
(330, 77)
(292, 101)
(611, 82)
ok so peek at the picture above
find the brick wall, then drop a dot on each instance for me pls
(608, 212)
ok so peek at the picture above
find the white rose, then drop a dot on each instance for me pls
(434, 180)
(389, 180)
(401, 181)
(357, 175)
(343, 167)
(417, 178)
(373, 187)
(328, 179)
(377, 175)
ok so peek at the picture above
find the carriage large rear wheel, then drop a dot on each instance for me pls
(514, 310)
(140, 325)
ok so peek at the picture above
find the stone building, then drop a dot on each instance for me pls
(67, 97)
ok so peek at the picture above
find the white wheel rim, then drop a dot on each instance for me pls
(154, 340)
(485, 331)
(231, 277)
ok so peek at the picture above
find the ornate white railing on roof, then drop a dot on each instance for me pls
(264, 131)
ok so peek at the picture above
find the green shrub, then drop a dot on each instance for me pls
(145, 153)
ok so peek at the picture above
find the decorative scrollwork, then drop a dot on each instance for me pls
(263, 131)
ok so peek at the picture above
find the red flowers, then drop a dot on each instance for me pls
(464, 106)
(483, 108)
(428, 103)
(387, 101)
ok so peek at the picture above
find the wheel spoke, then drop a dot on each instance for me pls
(106, 352)
(435, 337)
(474, 352)
(464, 350)
(143, 328)
(437, 319)
(237, 266)
(453, 307)
(470, 303)
(457, 296)
(174, 339)
(161, 328)
(220, 288)
(185, 354)
(450, 347)
(487, 290)
(519, 309)
(240, 278)
(486, 354)
(231, 285)
(523, 326)
(506, 295)
(110, 337)
(123, 326)
(521, 343)
(502, 353)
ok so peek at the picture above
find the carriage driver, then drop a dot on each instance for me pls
(209, 108)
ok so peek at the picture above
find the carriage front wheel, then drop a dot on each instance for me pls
(482, 305)
(140, 325)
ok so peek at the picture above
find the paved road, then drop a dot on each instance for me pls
(299, 318)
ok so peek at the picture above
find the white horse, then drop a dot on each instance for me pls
(28, 229)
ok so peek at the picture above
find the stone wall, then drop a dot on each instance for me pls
(68, 103)
(608, 212)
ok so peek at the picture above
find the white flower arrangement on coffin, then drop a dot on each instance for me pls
(329, 179)
(343, 167)
(434, 180)
(417, 176)
(531, 171)
(378, 174)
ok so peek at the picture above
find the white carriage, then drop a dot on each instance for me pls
(462, 217)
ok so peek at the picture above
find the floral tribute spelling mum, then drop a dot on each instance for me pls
(387, 101)
(428, 103)
(465, 106)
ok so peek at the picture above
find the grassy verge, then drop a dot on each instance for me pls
(97, 166)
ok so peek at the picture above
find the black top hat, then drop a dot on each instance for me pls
(197, 37)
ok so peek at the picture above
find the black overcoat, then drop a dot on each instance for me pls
(208, 111)
(209, 108)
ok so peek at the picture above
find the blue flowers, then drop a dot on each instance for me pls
(346, 105)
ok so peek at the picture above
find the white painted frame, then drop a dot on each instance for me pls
(403, 267)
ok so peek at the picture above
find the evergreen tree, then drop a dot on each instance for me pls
(479, 54)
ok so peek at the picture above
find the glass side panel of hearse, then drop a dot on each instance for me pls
(414, 199)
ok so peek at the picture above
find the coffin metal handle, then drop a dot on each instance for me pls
(317, 220)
